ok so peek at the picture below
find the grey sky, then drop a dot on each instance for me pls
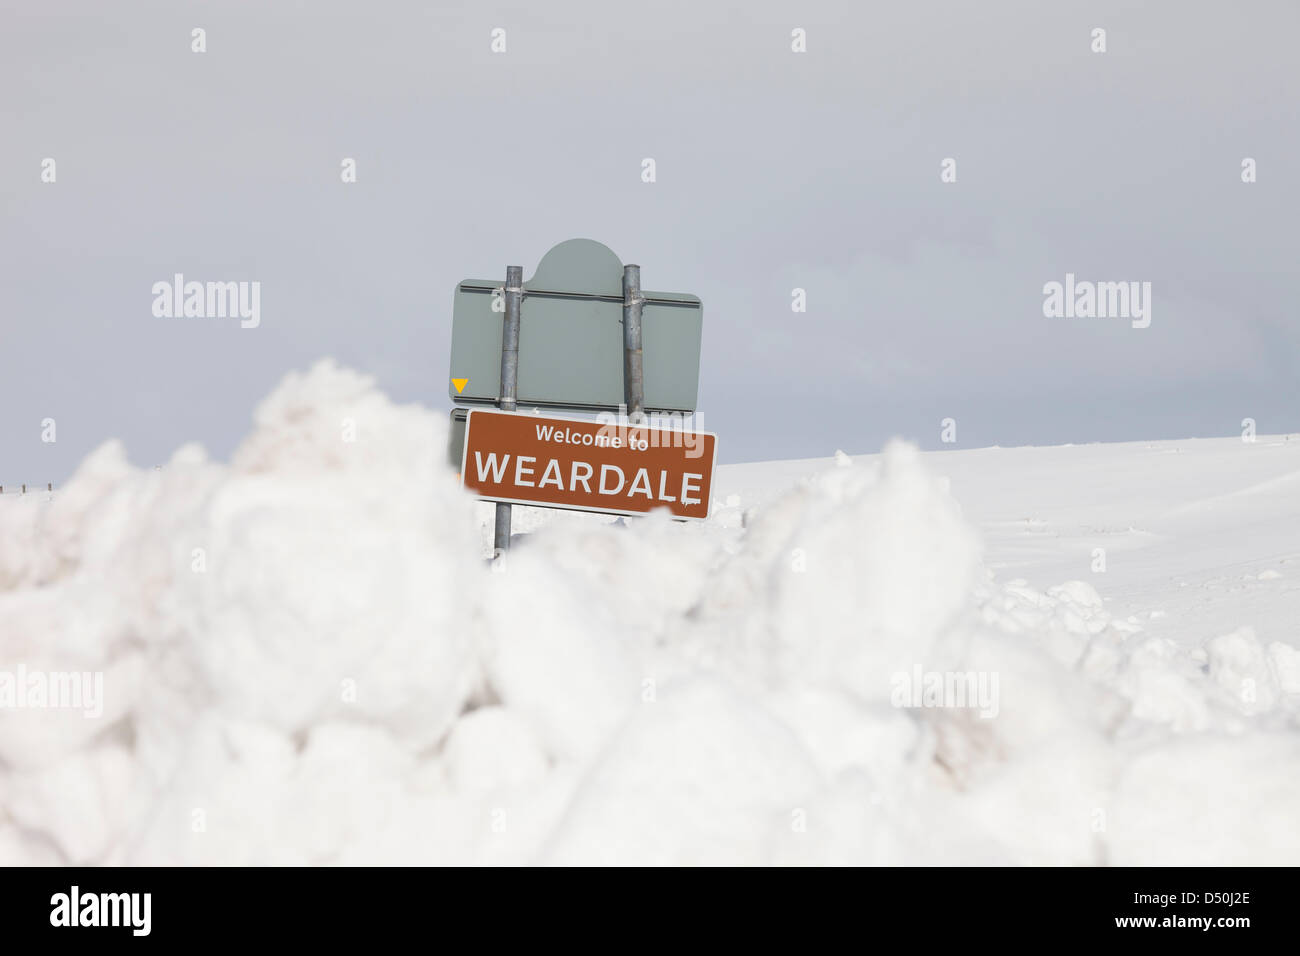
(775, 170)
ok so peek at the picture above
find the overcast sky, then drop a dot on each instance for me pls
(775, 170)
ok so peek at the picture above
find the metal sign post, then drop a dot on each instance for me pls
(514, 293)
(633, 382)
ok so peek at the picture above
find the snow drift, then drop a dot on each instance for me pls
(306, 659)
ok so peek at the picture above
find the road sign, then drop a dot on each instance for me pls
(587, 466)
(571, 346)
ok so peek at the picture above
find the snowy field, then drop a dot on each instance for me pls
(1070, 655)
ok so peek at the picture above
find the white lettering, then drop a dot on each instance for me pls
(642, 480)
(574, 477)
(552, 466)
(520, 470)
(686, 487)
(498, 471)
(622, 479)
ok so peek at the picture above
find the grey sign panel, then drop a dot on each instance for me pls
(456, 437)
(571, 337)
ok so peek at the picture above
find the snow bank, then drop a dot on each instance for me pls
(306, 660)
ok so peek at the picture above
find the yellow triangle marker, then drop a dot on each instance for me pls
(460, 384)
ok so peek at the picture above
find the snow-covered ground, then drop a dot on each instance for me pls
(896, 658)
(1197, 534)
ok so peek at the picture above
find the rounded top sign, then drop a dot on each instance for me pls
(579, 265)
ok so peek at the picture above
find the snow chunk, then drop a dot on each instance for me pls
(1243, 671)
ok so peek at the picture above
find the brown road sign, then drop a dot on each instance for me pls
(589, 466)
